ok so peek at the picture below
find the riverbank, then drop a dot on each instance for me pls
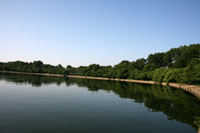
(193, 89)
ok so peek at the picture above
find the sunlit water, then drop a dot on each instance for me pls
(38, 104)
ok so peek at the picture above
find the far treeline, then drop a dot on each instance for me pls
(178, 65)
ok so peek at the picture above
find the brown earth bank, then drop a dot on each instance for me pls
(193, 89)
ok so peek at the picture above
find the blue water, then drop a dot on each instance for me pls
(30, 104)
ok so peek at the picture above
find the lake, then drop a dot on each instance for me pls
(39, 104)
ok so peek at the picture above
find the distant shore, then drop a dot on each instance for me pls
(193, 89)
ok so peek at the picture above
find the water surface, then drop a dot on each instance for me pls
(30, 104)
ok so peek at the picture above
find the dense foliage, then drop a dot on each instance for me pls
(181, 65)
(33, 67)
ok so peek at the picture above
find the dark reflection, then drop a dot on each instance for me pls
(175, 103)
(34, 80)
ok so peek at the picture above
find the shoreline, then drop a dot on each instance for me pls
(193, 89)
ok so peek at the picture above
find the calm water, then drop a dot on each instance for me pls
(38, 104)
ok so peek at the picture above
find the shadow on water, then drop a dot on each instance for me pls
(175, 103)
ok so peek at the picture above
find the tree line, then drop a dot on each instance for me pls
(180, 65)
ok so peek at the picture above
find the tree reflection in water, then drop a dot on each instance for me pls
(175, 103)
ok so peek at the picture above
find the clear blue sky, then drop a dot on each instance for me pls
(83, 32)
